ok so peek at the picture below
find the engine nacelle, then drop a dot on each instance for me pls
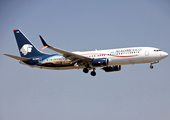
(112, 68)
(100, 62)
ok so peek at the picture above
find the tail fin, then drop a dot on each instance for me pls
(26, 48)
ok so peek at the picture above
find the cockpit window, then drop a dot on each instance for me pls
(157, 50)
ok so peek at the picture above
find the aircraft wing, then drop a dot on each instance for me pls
(69, 55)
(18, 58)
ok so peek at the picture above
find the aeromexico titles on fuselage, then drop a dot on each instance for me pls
(63, 61)
(109, 60)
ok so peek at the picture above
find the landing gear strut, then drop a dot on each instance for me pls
(151, 66)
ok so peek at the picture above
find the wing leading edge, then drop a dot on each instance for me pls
(69, 55)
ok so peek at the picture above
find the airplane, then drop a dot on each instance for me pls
(109, 60)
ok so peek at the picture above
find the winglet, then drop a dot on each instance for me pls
(44, 43)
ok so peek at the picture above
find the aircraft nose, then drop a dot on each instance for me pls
(164, 54)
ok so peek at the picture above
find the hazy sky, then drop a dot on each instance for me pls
(134, 93)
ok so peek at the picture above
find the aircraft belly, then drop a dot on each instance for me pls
(137, 60)
(57, 68)
(119, 61)
(125, 61)
(150, 59)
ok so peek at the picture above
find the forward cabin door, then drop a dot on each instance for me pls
(147, 53)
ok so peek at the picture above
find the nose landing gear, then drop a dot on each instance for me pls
(151, 66)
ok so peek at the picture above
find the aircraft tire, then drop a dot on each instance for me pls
(85, 70)
(151, 67)
(93, 73)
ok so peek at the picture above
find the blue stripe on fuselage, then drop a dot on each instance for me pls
(49, 57)
(39, 59)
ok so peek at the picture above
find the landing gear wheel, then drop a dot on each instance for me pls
(85, 70)
(93, 73)
(151, 67)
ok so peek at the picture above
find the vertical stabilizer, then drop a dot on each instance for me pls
(26, 48)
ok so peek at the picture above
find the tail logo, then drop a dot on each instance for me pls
(26, 49)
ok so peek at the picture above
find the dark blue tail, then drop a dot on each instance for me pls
(26, 48)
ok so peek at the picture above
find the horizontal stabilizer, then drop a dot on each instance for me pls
(18, 58)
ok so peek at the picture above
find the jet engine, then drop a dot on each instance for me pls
(112, 68)
(100, 62)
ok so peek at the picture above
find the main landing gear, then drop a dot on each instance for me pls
(93, 73)
(151, 66)
(86, 70)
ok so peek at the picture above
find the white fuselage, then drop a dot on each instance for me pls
(121, 56)
(124, 56)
